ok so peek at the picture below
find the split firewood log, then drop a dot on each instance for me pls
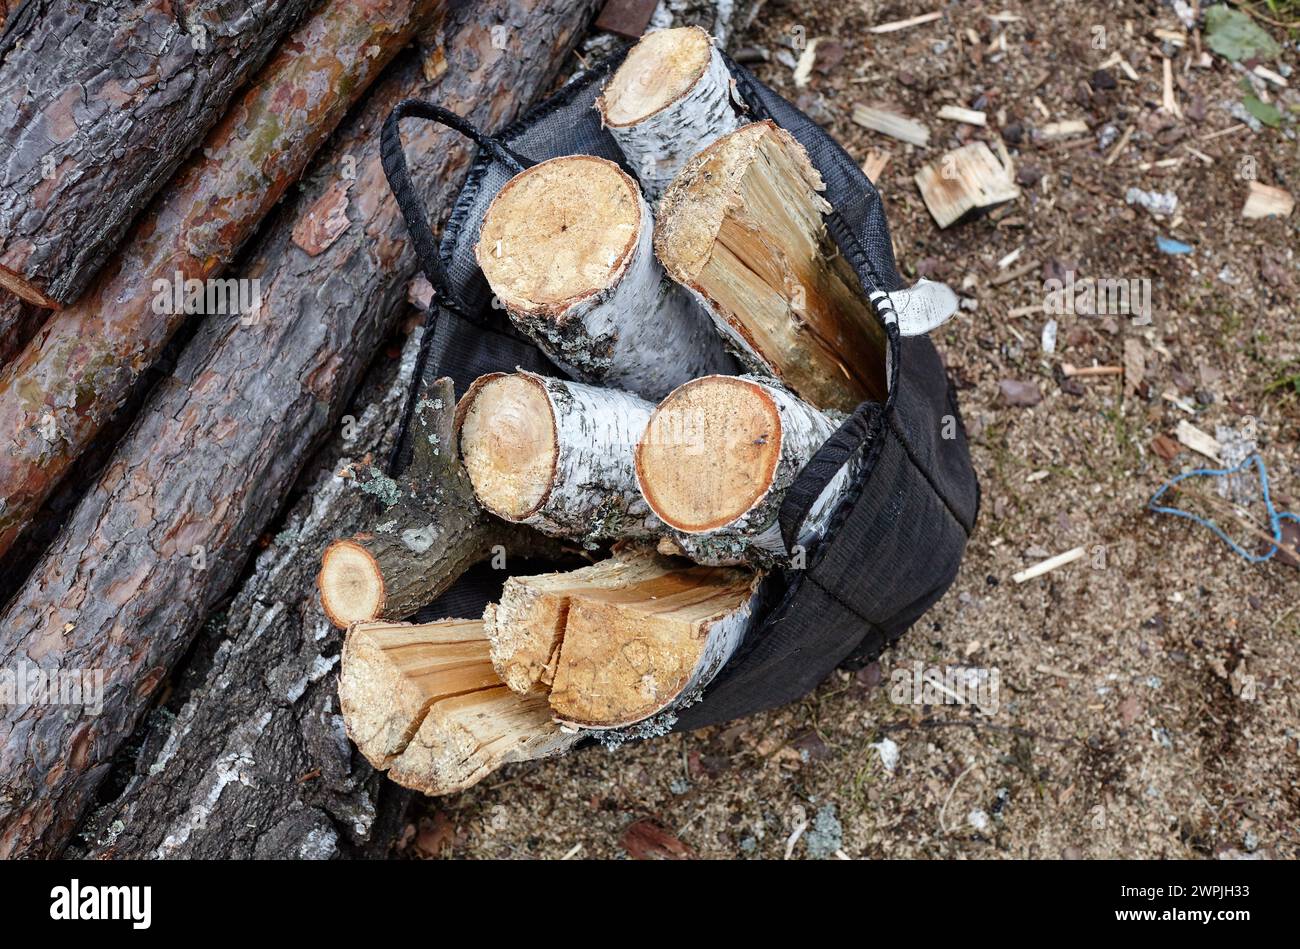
(96, 112)
(671, 97)
(187, 481)
(556, 455)
(525, 629)
(716, 461)
(638, 649)
(742, 228)
(430, 532)
(423, 703)
(567, 248)
(61, 390)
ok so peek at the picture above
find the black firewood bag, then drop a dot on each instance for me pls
(896, 539)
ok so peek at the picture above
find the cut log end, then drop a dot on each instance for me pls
(424, 703)
(709, 453)
(634, 651)
(392, 672)
(351, 584)
(560, 233)
(659, 70)
(508, 442)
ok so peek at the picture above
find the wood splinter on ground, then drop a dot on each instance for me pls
(671, 98)
(742, 228)
(624, 640)
(567, 246)
(965, 181)
(716, 461)
(423, 703)
(431, 531)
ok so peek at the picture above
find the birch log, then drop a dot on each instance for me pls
(716, 461)
(640, 649)
(669, 100)
(742, 228)
(525, 629)
(96, 111)
(423, 703)
(61, 390)
(217, 448)
(556, 455)
(567, 247)
(430, 531)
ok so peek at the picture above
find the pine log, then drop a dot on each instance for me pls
(79, 369)
(556, 455)
(525, 629)
(96, 112)
(716, 461)
(669, 100)
(634, 651)
(261, 689)
(567, 248)
(742, 228)
(245, 405)
(423, 703)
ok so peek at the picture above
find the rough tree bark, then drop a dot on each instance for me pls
(742, 227)
(567, 246)
(716, 461)
(80, 367)
(556, 455)
(96, 111)
(430, 531)
(214, 452)
(19, 321)
(668, 101)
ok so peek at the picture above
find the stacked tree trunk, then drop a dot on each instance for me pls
(165, 530)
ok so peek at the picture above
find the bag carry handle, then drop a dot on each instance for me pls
(393, 157)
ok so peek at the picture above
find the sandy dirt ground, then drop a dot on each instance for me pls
(1147, 693)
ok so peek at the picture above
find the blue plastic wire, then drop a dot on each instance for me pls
(1275, 517)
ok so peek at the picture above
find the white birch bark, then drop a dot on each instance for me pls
(591, 492)
(659, 144)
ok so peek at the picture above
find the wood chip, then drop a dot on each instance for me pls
(1166, 447)
(965, 180)
(892, 124)
(955, 113)
(1120, 145)
(1267, 201)
(1135, 364)
(1048, 565)
(1086, 372)
(875, 164)
(1198, 441)
(896, 25)
(1056, 131)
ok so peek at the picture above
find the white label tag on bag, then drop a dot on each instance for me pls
(919, 309)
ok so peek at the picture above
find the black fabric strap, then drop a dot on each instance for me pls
(822, 468)
(412, 207)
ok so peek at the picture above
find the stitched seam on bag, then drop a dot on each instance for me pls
(836, 597)
(907, 449)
